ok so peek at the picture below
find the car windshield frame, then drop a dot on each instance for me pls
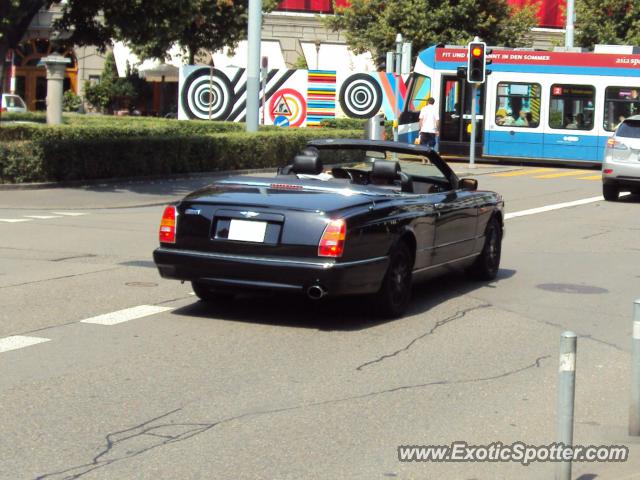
(431, 158)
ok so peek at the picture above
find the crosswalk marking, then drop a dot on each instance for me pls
(518, 173)
(19, 341)
(126, 315)
(69, 214)
(557, 206)
(573, 173)
(50, 215)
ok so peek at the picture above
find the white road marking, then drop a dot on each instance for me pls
(192, 293)
(14, 220)
(19, 341)
(70, 214)
(43, 217)
(557, 206)
(126, 315)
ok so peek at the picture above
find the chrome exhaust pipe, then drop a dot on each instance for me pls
(316, 292)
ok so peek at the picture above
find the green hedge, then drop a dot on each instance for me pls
(39, 117)
(41, 154)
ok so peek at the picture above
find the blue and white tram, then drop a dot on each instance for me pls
(535, 105)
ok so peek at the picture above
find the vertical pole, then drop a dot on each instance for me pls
(472, 146)
(634, 411)
(12, 80)
(265, 71)
(253, 64)
(398, 77)
(566, 397)
(569, 28)
(210, 88)
(389, 62)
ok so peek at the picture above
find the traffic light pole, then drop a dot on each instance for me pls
(472, 149)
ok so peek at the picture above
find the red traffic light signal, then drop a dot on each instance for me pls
(476, 62)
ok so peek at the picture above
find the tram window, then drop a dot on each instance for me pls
(518, 104)
(572, 107)
(620, 103)
(420, 92)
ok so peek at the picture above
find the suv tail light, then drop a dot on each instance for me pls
(615, 144)
(168, 223)
(332, 240)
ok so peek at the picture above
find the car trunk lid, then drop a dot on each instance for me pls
(261, 216)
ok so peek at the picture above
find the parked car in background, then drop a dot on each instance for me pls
(345, 217)
(13, 103)
(621, 163)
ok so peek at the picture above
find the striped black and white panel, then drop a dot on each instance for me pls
(222, 94)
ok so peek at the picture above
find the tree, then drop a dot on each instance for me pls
(612, 22)
(372, 25)
(152, 27)
(15, 18)
(115, 93)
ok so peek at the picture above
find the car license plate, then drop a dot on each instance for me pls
(247, 231)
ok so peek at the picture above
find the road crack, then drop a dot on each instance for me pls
(160, 431)
(456, 316)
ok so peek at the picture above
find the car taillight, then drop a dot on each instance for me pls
(615, 144)
(607, 171)
(167, 232)
(332, 240)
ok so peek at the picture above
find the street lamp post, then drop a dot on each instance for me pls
(253, 64)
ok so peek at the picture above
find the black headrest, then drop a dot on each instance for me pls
(385, 170)
(307, 162)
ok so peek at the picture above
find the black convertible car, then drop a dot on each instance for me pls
(345, 217)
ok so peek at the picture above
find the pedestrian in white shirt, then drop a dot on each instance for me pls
(429, 124)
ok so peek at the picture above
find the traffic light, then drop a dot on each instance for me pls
(476, 62)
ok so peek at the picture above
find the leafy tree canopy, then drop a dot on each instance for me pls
(15, 17)
(610, 22)
(372, 25)
(151, 27)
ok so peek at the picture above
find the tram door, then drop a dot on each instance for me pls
(455, 115)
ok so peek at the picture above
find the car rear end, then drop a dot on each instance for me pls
(277, 237)
(621, 163)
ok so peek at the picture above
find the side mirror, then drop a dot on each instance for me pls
(470, 184)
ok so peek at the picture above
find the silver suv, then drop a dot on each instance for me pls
(621, 164)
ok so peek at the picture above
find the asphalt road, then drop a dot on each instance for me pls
(268, 388)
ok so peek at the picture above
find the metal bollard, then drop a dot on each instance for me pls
(374, 127)
(634, 410)
(566, 396)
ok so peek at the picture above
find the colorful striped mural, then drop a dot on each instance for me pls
(321, 96)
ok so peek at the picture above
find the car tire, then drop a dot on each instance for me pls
(393, 297)
(208, 294)
(486, 266)
(610, 192)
